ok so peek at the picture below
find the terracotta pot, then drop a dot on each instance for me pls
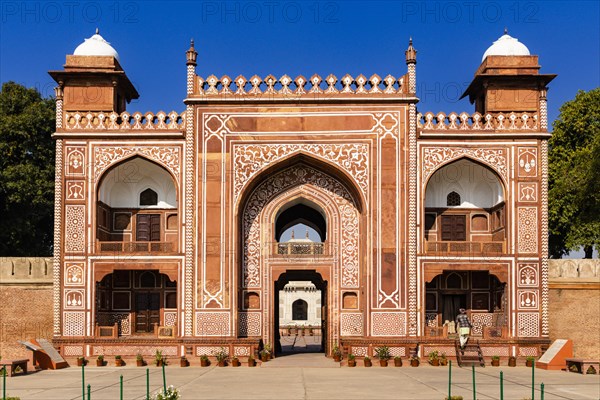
(397, 362)
(252, 362)
(99, 363)
(368, 363)
(159, 363)
(443, 362)
(435, 362)
(495, 363)
(235, 363)
(80, 362)
(383, 363)
(204, 363)
(222, 363)
(264, 358)
(529, 363)
(119, 362)
(414, 363)
(512, 362)
(183, 362)
(337, 358)
(352, 363)
(139, 363)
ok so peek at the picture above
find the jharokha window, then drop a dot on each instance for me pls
(453, 199)
(148, 198)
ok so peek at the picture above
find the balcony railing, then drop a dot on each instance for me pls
(300, 248)
(135, 247)
(465, 248)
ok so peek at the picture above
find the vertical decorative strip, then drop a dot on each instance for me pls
(544, 238)
(412, 222)
(543, 111)
(189, 219)
(56, 272)
(58, 91)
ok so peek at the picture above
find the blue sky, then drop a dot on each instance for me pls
(303, 37)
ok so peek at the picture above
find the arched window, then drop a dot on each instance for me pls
(453, 199)
(300, 310)
(148, 198)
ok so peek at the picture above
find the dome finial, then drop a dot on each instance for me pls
(505, 30)
(97, 31)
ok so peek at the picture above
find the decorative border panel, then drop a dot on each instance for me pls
(241, 351)
(495, 351)
(74, 273)
(360, 351)
(527, 236)
(212, 323)
(75, 229)
(351, 324)
(74, 299)
(129, 350)
(74, 323)
(528, 299)
(528, 352)
(528, 274)
(73, 351)
(250, 323)
(528, 192)
(209, 350)
(434, 157)
(528, 324)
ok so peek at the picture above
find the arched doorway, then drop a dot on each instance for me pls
(308, 332)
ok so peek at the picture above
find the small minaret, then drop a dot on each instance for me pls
(191, 56)
(93, 80)
(411, 62)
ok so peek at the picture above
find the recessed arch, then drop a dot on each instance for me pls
(304, 211)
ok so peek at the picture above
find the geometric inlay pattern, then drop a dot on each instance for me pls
(527, 232)
(398, 351)
(359, 351)
(528, 324)
(303, 176)
(528, 351)
(170, 318)
(167, 156)
(431, 320)
(123, 321)
(249, 159)
(495, 351)
(351, 324)
(212, 324)
(73, 350)
(74, 323)
(249, 323)
(449, 351)
(75, 229)
(479, 320)
(241, 351)
(132, 350)
(209, 350)
(388, 323)
(435, 156)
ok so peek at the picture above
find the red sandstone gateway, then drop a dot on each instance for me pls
(169, 225)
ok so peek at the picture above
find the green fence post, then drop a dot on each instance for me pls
(542, 390)
(449, 379)
(4, 372)
(164, 379)
(474, 391)
(89, 391)
(533, 380)
(83, 381)
(501, 385)
(121, 387)
(147, 383)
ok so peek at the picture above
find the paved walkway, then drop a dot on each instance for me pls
(424, 382)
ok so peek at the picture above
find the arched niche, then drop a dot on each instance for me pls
(301, 211)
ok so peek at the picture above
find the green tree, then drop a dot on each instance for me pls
(27, 122)
(574, 176)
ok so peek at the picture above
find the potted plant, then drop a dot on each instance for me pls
(139, 360)
(183, 362)
(443, 360)
(100, 361)
(383, 353)
(397, 361)
(512, 361)
(269, 350)
(118, 361)
(454, 398)
(251, 361)
(434, 358)
(265, 354)
(204, 361)
(235, 362)
(414, 361)
(222, 357)
(495, 361)
(367, 361)
(159, 359)
(81, 361)
(351, 360)
(336, 353)
(529, 361)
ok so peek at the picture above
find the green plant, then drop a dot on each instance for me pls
(100, 357)
(351, 357)
(397, 358)
(530, 358)
(118, 357)
(81, 358)
(139, 357)
(170, 394)
(434, 355)
(336, 352)
(158, 358)
(443, 356)
(383, 353)
(454, 398)
(496, 358)
(203, 357)
(367, 358)
(222, 354)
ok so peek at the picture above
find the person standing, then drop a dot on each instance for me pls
(464, 327)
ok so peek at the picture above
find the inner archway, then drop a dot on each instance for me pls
(300, 298)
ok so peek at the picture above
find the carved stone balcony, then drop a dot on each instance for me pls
(314, 248)
(510, 122)
(449, 248)
(135, 247)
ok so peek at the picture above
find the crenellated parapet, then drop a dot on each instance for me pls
(285, 87)
(525, 121)
(99, 121)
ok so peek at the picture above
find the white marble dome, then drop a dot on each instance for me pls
(96, 46)
(506, 45)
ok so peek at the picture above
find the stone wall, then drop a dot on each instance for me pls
(25, 303)
(575, 305)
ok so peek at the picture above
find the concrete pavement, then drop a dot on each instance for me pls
(305, 382)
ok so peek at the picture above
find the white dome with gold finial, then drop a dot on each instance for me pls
(96, 46)
(506, 45)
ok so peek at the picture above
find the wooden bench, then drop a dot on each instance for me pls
(582, 365)
(14, 364)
